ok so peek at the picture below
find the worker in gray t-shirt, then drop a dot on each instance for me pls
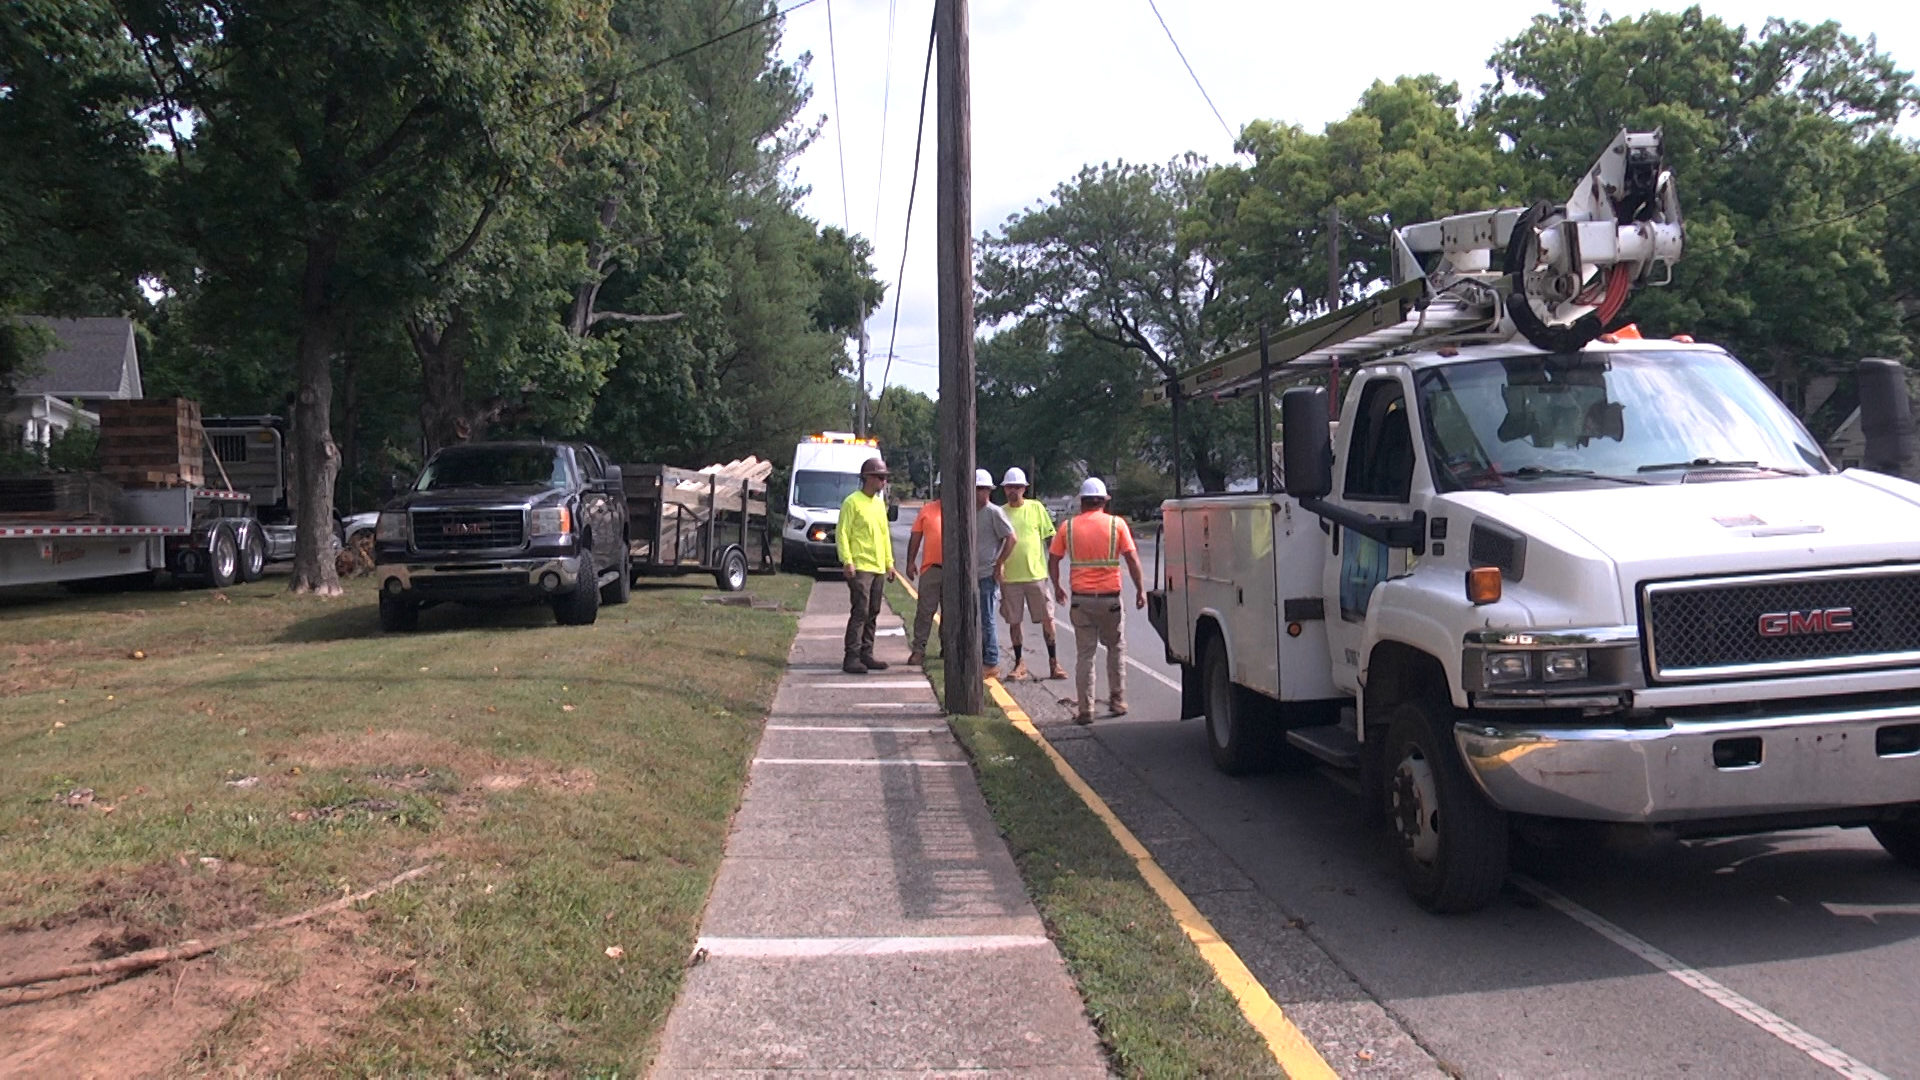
(992, 546)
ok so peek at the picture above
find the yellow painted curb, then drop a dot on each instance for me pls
(1289, 1047)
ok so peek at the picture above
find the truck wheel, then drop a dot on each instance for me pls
(1901, 839)
(621, 590)
(398, 616)
(581, 606)
(1453, 842)
(223, 559)
(1239, 741)
(732, 575)
(253, 554)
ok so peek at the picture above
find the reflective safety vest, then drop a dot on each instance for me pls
(1094, 541)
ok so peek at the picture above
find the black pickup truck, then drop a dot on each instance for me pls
(507, 522)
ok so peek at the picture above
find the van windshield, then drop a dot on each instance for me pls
(1620, 417)
(823, 489)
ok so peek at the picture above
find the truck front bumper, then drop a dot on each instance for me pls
(495, 580)
(1699, 770)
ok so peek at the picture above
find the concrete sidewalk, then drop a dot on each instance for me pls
(867, 917)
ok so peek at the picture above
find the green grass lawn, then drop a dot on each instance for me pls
(251, 754)
(1155, 1003)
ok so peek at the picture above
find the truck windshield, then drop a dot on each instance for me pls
(823, 489)
(495, 466)
(1620, 417)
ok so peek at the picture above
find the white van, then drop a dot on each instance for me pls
(826, 469)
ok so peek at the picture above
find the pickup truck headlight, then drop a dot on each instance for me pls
(552, 521)
(1564, 665)
(391, 527)
(1507, 668)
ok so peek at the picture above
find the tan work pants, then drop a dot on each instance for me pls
(927, 607)
(1099, 620)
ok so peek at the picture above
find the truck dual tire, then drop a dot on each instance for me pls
(581, 606)
(253, 553)
(223, 558)
(1453, 842)
(1239, 738)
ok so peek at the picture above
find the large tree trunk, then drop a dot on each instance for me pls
(316, 458)
(446, 417)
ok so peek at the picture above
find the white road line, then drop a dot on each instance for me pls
(916, 762)
(892, 730)
(877, 946)
(1870, 912)
(1149, 672)
(1819, 1050)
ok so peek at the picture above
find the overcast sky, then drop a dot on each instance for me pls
(1058, 84)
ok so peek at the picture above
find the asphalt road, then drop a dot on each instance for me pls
(1789, 954)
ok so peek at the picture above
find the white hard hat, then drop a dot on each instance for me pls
(1093, 488)
(982, 478)
(1014, 476)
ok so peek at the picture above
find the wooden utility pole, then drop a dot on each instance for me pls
(960, 612)
(860, 409)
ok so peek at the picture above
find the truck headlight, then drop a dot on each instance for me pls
(1506, 668)
(552, 521)
(391, 527)
(820, 533)
(1564, 665)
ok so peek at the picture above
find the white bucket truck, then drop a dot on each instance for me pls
(826, 469)
(1538, 574)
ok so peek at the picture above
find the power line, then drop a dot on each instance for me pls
(1834, 220)
(717, 39)
(1190, 72)
(886, 98)
(926, 76)
(839, 121)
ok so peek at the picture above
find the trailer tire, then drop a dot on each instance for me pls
(1240, 742)
(1901, 839)
(581, 606)
(621, 589)
(398, 616)
(253, 552)
(1453, 842)
(732, 575)
(223, 558)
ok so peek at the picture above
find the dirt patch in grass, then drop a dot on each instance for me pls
(411, 761)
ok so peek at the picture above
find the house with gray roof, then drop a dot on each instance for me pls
(96, 360)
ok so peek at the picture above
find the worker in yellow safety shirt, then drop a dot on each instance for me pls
(866, 558)
(1024, 593)
(1097, 543)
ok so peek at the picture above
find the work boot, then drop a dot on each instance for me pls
(1117, 707)
(991, 671)
(1019, 671)
(853, 666)
(1083, 717)
(1057, 671)
(874, 664)
(916, 658)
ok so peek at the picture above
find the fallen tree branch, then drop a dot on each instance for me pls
(620, 316)
(187, 950)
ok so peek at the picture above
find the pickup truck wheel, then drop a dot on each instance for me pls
(223, 556)
(253, 553)
(1239, 741)
(581, 606)
(1901, 839)
(398, 616)
(732, 575)
(1453, 842)
(620, 590)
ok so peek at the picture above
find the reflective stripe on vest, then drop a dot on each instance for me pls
(1113, 546)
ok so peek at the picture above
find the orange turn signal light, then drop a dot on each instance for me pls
(1483, 584)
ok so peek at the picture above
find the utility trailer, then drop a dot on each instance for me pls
(684, 522)
(1544, 578)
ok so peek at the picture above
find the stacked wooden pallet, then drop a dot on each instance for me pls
(684, 502)
(152, 443)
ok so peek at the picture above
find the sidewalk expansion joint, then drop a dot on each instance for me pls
(799, 948)
(918, 762)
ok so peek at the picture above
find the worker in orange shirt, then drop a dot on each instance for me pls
(925, 538)
(1097, 543)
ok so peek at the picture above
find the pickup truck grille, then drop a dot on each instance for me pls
(469, 530)
(1777, 624)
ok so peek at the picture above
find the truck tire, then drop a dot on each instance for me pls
(1238, 735)
(398, 616)
(581, 606)
(223, 558)
(620, 590)
(732, 575)
(1453, 842)
(253, 553)
(1901, 839)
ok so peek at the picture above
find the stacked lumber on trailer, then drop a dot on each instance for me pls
(686, 501)
(152, 443)
(57, 498)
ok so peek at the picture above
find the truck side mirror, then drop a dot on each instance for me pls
(1306, 442)
(614, 484)
(390, 487)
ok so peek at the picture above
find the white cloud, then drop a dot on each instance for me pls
(1058, 84)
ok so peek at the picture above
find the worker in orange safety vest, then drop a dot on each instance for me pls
(1097, 543)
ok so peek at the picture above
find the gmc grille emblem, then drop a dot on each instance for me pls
(468, 528)
(1838, 620)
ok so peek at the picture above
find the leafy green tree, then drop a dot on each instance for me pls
(907, 423)
(1063, 405)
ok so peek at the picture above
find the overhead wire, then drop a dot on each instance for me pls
(839, 120)
(886, 98)
(906, 233)
(1177, 51)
